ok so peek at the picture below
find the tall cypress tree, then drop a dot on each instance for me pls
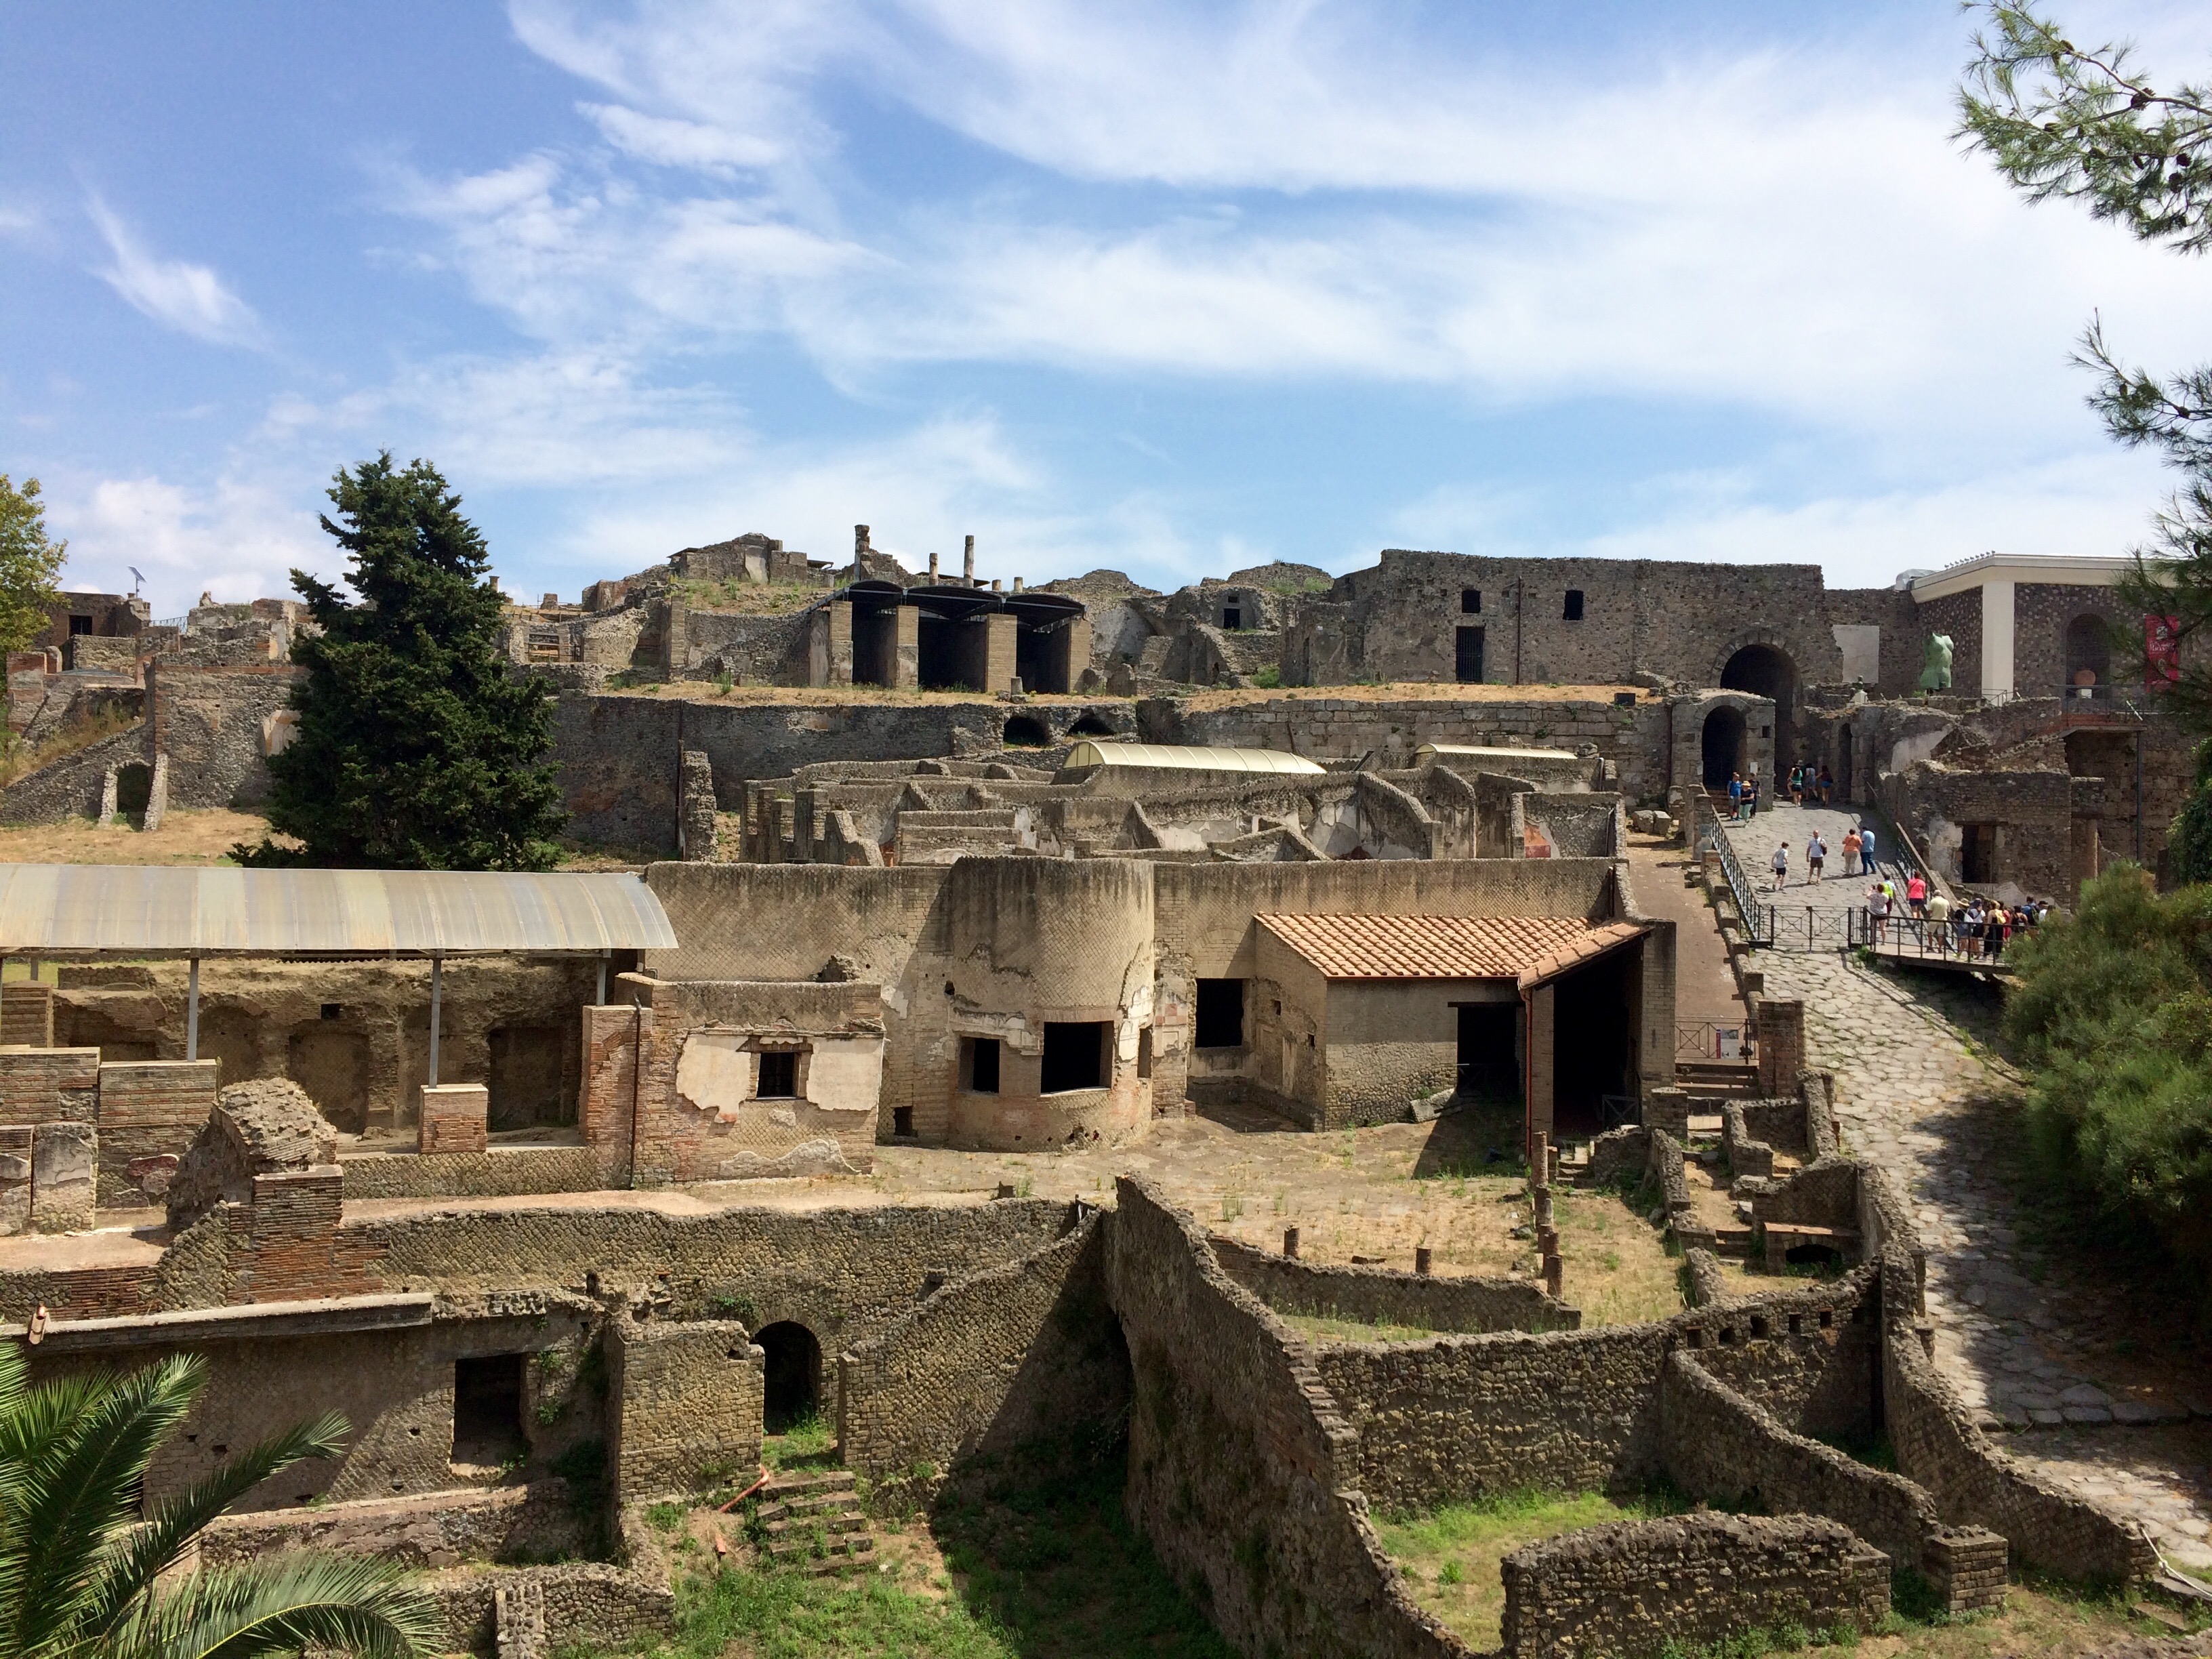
(417, 748)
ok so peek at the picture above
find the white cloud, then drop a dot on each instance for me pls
(235, 538)
(681, 143)
(188, 298)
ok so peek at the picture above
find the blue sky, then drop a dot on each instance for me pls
(1171, 288)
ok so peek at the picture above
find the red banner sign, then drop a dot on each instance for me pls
(2161, 652)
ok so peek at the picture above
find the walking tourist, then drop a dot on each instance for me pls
(1868, 860)
(1798, 786)
(1781, 862)
(1936, 930)
(1824, 786)
(1878, 912)
(1852, 845)
(1735, 795)
(1816, 854)
(1915, 893)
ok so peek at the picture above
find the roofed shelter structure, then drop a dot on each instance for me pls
(65, 910)
(1395, 1006)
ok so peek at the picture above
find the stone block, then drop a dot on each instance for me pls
(455, 1117)
(65, 1176)
(1966, 1568)
(15, 1181)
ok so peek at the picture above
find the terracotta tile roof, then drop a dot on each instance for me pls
(1528, 948)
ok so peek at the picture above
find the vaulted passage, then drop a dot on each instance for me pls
(791, 1387)
(1767, 672)
(1723, 747)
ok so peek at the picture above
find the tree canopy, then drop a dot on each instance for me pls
(30, 564)
(415, 747)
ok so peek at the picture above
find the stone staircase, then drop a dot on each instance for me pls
(812, 1522)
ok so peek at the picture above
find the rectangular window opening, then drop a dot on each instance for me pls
(488, 1408)
(1074, 1055)
(1574, 604)
(1220, 1013)
(80, 624)
(1145, 1054)
(779, 1074)
(1470, 601)
(902, 1122)
(1232, 619)
(979, 1065)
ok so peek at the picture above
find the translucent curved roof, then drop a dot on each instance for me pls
(1179, 757)
(56, 909)
(1430, 751)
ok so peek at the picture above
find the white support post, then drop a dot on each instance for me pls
(193, 1013)
(437, 996)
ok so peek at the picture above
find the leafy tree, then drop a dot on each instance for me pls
(2066, 124)
(2113, 1010)
(415, 747)
(78, 1571)
(30, 564)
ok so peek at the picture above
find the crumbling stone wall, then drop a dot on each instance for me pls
(211, 722)
(685, 1404)
(1022, 1352)
(1630, 1587)
(1372, 1295)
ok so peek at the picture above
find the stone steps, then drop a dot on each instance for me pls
(813, 1523)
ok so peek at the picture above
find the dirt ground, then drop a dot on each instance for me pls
(182, 838)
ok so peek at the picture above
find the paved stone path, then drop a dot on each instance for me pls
(1920, 1093)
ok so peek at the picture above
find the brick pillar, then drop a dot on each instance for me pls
(454, 1117)
(904, 667)
(999, 629)
(830, 645)
(1781, 1046)
(1541, 1068)
(27, 1015)
(1966, 1568)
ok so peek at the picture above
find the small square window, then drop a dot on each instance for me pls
(1074, 1056)
(779, 1074)
(333, 1011)
(1470, 601)
(1574, 604)
(80, 625)
(902, 1122)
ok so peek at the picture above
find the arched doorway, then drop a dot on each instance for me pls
(1026, 732)
(2088, 653)
(1767, 672)
(792, 1387)
(1089, 726)
(1722, 743)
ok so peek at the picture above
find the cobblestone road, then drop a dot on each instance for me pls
(1920, 1093)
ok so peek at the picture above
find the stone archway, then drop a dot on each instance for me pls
(1760, 667)
(792, 1384)
(1722, 746)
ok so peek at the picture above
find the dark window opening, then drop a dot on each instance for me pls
(1145, 1054)
(1221, 1013)
(979, 1065)
(1467, 657)
(1978, 853)
(1232, 618)
(488, 1408)
(1089, 726)
(791, 1388)
(1074, 1056)
(902, 1122)
(1574, 604)
(1470, 601)
(1489, 1051)
(80, 624)
(1812, 1256)
(134, 789)
(1025, 731)
(2089, 652)
(333, 1011)
(779, 1074)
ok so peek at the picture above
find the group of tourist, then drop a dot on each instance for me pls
(1980, 927)
(1811, 783)
(1858, 845)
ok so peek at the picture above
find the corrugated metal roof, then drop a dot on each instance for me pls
(1523, 948)
(1180, 757)
(184, 911)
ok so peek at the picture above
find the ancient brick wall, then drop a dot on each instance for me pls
(1370, 1295)
(1242, 1474)
(1939, 1448)
(493, 1523)
(684, 1404)
(496, 1172)
(209, 721)
(1632, 1586)
(2041, 613)
(1891, 610)
(1960, 616)
(149, 1110)
(1723, 1449)
(49, 1086)
(1024, 1352)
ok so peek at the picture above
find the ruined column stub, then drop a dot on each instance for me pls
(859, 540)
(1291, 1243)
(932, 570)
(967, 563)
(1423, 1259)
(1539, 1159)
(1555, 1277)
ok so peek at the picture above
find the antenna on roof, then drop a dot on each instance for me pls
(137, 580)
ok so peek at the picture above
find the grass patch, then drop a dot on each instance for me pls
(1327, 1327)
(1450, 1555)
(806, 1443)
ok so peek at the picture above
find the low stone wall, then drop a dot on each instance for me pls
(441, 1529)
(1971, 1480)
(1720, 1448)
(1747, 1153)
(1016, 1354)
(1377, 1294)
(1619, 1158)
(1630, 1587)
(495, 1172)
(1242, 1474)
(1818, 1092)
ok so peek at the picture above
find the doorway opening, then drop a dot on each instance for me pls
(1466, 659)
(488, 1408)
(790, 1387)
(1768, 672)
(1490, 1051)
(1978, 853)
(1722, 743)
(1594, 1055)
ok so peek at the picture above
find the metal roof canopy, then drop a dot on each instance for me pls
(1179, 757)
(64, 909)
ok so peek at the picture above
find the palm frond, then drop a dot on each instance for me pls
(131, 1565)
(281, 1606)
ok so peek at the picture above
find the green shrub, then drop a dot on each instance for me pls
(2112, 1015)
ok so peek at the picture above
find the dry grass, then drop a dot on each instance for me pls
(748, 598)
(1417, 690)
(75, 736)
(182, 838)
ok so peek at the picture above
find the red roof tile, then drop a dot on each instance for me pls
(1524, 948)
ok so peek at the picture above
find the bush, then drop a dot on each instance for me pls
(2113, 1014)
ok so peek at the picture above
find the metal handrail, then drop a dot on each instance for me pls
(1753, 912)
